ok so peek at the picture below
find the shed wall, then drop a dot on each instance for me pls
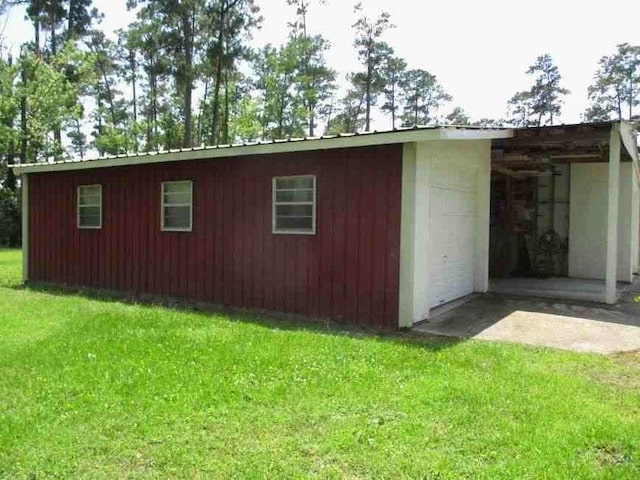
(588, 224)
(348, 271)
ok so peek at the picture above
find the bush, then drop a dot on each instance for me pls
(10, 224)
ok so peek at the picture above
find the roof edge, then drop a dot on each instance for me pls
(278, 146)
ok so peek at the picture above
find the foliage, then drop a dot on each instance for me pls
(282, 113)
(546, 92)
(489, 123)
(458, 117)
(10, 212)
(52, 93)
(350, 118)
(104, 389)
(422, 96)
(543, 101)
(372, 53)
(616, 88)
(520, 110)
(393, 72)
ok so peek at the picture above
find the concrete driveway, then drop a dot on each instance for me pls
(574, 326)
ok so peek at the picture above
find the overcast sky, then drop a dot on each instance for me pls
(479, 50)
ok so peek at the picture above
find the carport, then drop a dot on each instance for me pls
(565, 211)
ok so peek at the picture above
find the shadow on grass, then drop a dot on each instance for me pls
(265, 318)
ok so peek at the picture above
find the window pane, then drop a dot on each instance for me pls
(89, 189)
(177, 187)
(289, 183)
(89, 217)
(177, 217)
(89, 199)
(89, 195)
(177, 198)
(294, 210)
(294, 196)
(294, 223)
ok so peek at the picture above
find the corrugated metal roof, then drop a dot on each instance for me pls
(292, 140)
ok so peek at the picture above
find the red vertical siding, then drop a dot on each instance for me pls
(348, 271)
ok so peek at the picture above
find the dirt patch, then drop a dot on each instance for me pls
(628, 358)
(609, 455)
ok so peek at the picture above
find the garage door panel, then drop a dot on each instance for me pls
(451, 175)
(452, 223)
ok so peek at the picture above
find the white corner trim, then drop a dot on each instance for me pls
(612, 215)
(298, 145)
(407, 236)
(483, 221)
(24, 180)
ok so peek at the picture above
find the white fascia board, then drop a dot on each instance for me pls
(286, 146)
(474, 134)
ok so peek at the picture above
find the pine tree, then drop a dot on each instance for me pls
(546, 92)
(423, 96)
(616, 88)
(371, 51)
(394, 71)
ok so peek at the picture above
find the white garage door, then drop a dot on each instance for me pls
(452, 226)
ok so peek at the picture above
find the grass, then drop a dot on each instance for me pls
(95, 389)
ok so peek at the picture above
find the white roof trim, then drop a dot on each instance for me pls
(278, 146)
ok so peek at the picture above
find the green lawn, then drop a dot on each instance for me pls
(102, 389)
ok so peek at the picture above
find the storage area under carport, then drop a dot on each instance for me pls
(553, 229)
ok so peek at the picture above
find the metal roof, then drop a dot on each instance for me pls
(343, 140)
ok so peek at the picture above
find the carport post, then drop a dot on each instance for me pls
(611, 295)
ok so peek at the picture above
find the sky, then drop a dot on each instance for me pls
(479, 50)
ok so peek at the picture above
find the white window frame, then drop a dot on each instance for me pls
(190, 205)
(79, 207)
(275, 203)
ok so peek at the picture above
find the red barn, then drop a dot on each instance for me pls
(373, 229)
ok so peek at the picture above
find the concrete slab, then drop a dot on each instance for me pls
(565, 325)
(555, 287)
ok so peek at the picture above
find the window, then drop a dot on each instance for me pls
(90, 206)
(177, 200)
(294, 205)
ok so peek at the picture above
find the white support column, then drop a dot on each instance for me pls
(24, 181)
(407, 237)
(483, 219)
(611, 295)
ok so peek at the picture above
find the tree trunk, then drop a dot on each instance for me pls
(107, 86)
(57, 131)
(134, 89)
(99, 104)
(36, 28)
(393, 104)
(225, 123)
(187, 27)
(24, 126)
(79, 132)
(70, 25)
(215, 114)
(203, 104)
(368, 92)
(153, 81)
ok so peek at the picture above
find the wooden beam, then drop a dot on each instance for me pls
(506, 171)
